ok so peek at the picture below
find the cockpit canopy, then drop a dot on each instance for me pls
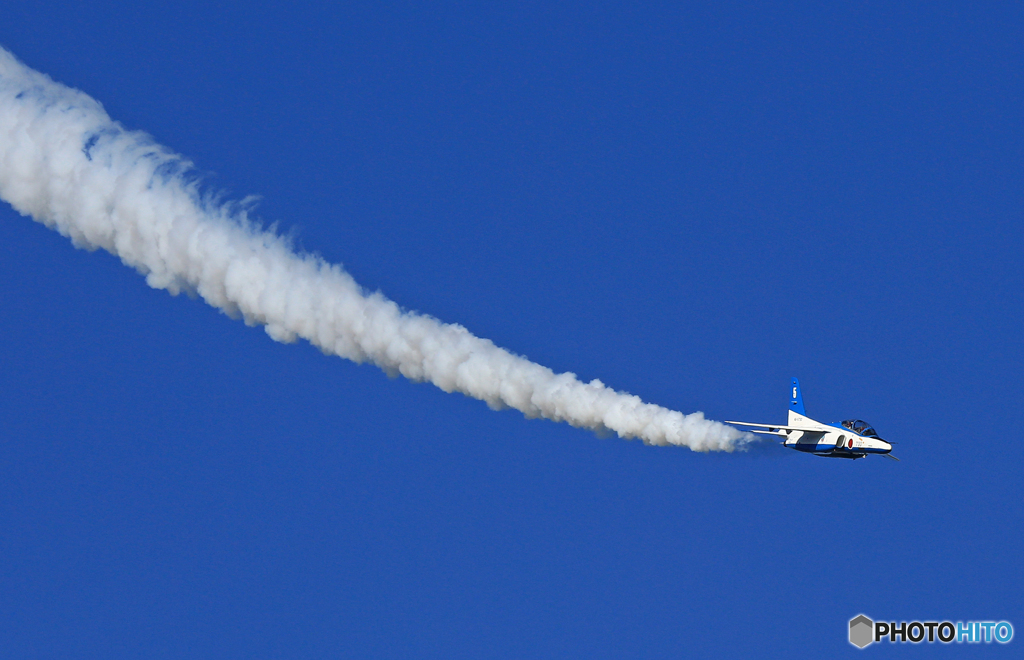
(860, 427)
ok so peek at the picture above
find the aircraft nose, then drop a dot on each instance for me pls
(886, 446)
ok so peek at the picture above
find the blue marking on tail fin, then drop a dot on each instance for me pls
(796, 398)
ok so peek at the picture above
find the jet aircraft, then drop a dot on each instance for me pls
(853, 438)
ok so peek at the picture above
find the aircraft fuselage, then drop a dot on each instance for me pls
(832, 440)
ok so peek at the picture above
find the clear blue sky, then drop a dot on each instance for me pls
(691, 202)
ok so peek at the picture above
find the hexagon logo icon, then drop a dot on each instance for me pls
(861, 631)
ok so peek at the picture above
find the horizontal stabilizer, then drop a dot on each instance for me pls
(890, 456)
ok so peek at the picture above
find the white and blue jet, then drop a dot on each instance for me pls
(853, 438)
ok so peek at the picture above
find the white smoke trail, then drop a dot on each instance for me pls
(66, 164)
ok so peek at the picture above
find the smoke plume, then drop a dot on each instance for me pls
(67, 165)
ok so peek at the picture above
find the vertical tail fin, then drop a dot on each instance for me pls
(796, 403)
(796, 398)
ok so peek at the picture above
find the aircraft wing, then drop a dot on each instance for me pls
(783, 427)
(768, 432)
